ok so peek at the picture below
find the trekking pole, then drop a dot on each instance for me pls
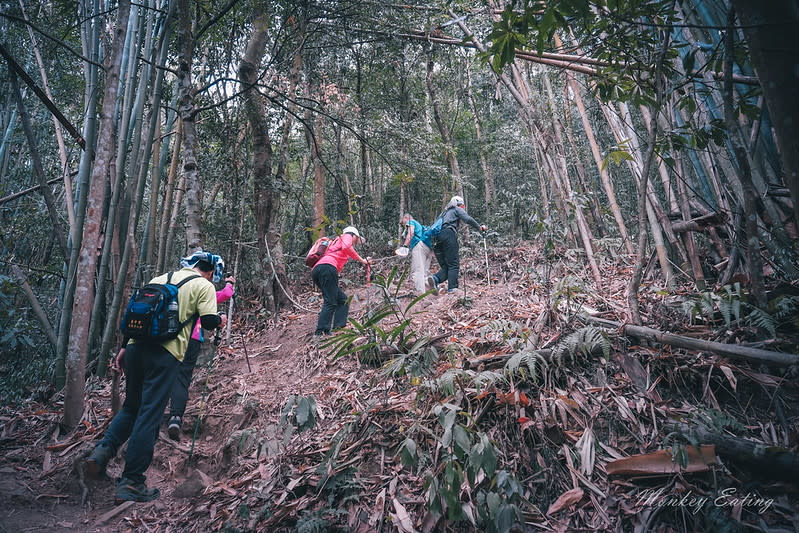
(485, 249)
(203, 400)
(246, 353)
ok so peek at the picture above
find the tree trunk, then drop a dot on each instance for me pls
(187, 112)
(624, 133)
(143, 272)
(90, 41)
(84, 291)
(38, 168)
(771, 29)
(313, 136)
(266, 195)
(607, 183)
(450, 155)
(40, 313)
(643, 187)
(582, 224)
(488, 177)
(688, 238)
(168, 211)
(59, 133)
(752, 253)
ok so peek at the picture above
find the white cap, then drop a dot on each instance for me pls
(352, 230)
(456, 200)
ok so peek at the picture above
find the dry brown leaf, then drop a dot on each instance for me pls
(404, 522)
(567, 499)
(727, 371)
(661, 462)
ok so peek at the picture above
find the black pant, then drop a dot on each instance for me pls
(446, 250)
(180, 389)
(149, 373)
(335, 307)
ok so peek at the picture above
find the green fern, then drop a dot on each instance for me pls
(786, 308)
(417, 362)
(716, 421)
(503, 330)
(533, 363)
(445, 383)
(487, 379)
(781, 310)
(312, 522)
(762, 319)
(584, 342)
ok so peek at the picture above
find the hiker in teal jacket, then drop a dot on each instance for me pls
(421, 252)
(446, 244)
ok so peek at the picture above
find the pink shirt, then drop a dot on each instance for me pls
(221, 296)
(340, 252)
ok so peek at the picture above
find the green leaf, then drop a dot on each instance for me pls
(303, 412)
(493, 502)
(462, 441)
(505, 518)
(408, 453)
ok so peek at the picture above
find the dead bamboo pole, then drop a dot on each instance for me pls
(766, 460)
(735, 351)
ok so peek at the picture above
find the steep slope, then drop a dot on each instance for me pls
(294, 434)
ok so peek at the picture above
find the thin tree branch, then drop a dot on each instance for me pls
(10, 197)
(56, 40)
(216, 18)
(43, 97)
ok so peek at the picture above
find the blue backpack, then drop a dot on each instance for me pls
(152, 313)
(431, 232)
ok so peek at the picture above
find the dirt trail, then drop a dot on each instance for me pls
(43, 490)
(247, 471)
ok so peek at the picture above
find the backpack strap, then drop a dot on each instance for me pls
(183, 281)
(333, 241)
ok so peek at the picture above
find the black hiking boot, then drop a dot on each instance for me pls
(129, 491)
(173, 429)
(97, 461)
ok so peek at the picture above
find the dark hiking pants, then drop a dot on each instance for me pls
(335, 308)
(446, 250)
(150, 371)
(180, 389)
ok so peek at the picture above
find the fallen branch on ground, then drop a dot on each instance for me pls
(735, 351)
(766, 461)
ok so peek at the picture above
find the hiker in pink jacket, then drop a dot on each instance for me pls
(325, 275)
(180, 390)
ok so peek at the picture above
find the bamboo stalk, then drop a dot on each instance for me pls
(734, 351)
(768, 461)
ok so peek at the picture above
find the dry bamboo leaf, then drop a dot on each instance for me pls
(763, 379)
(377, 512)
(661, 462)
(404, 522)
(567, 499)
(730, 376)
(587, 451)
(624, 409)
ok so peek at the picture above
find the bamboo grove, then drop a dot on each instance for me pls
(132, 132)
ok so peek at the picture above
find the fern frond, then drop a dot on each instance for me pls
(532, 361)
(584, 342)
(786, 307)
(445, 383)
(761, 319)
(486, 379)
